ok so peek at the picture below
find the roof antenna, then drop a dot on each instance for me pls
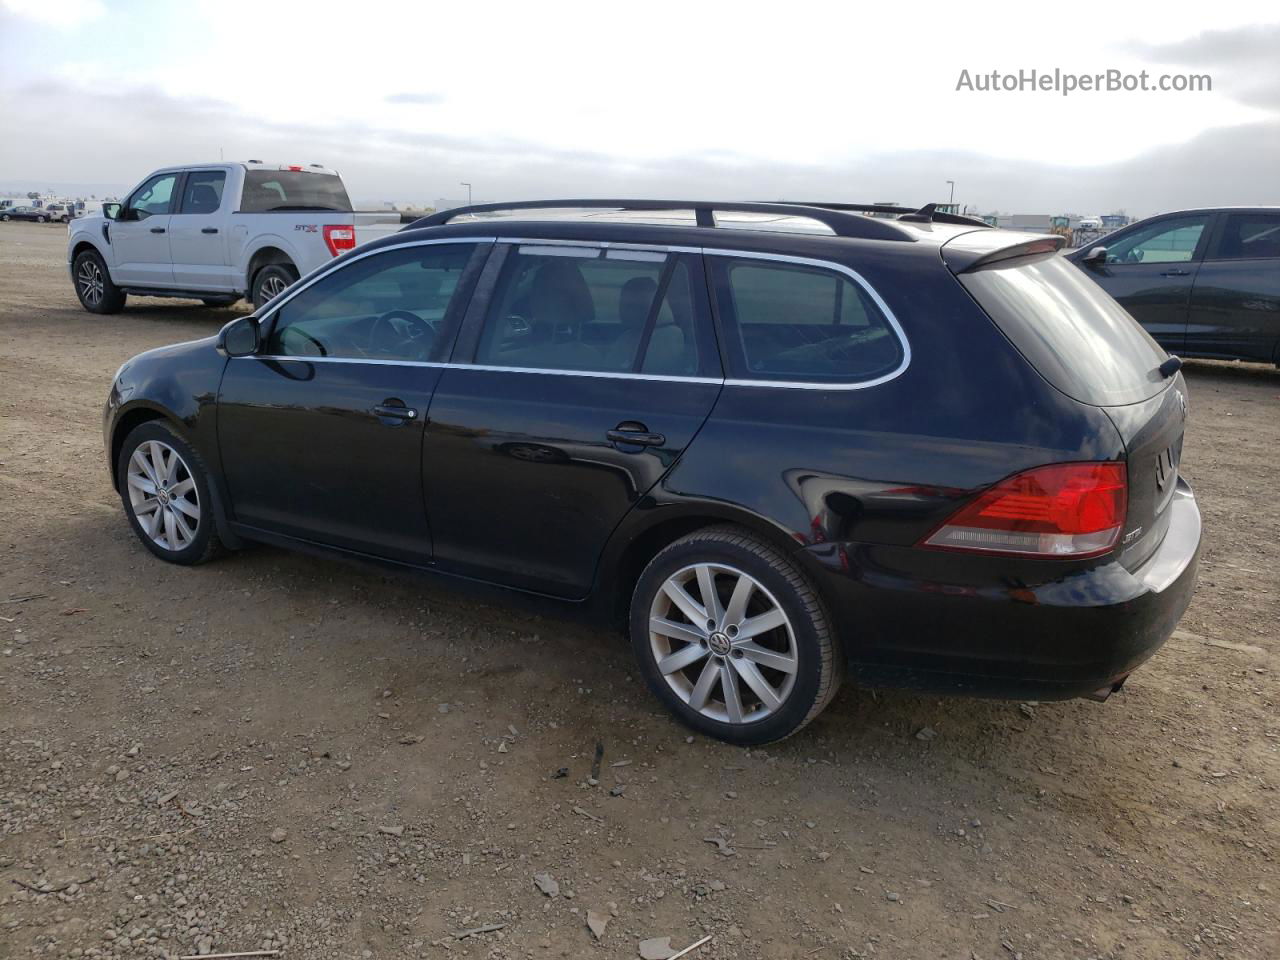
(923, 215)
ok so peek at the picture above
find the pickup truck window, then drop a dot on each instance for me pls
(203, 192)
(267, 190)
(153, 198)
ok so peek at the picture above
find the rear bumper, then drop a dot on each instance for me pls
(1078, 634)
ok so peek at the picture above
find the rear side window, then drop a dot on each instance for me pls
(587, 309)
(1250, 236)
(1070, 329)
(267, 190)
(793, 322)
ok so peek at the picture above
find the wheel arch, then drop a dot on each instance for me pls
(634, 544)
(265, 256)
(83, 244)
(128, 421)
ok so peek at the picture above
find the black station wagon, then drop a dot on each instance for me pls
(779, 442)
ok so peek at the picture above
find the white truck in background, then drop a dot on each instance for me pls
(216, 232)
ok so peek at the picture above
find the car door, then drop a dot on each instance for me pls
(575, 386)
(1235, 304)
(1151, 270)
(320, 434)
(196, 242)
(140, 237)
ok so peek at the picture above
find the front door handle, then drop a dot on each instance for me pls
(1176, 273)
(208, 229)
(394, 411)
(157, 229)
(635, 433)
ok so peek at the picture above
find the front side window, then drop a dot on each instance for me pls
(1169, 241)
(154, 197)
(583, 308)
(793, 322)
(388, 306)
(203, 192)
(1251, 236)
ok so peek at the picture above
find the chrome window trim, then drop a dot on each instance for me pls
(618, 375)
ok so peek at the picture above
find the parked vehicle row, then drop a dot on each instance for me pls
(36, 214)
(777, 442)
(217, 233)
(1204, 283)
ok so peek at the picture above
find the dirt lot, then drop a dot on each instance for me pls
(279, 751)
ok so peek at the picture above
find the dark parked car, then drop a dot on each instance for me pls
(1204, 283)
(36, 214)
(777, 442)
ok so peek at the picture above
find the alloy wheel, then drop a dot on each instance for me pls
(272, 287)
(90, 281)
(163, 495)
(723, 643)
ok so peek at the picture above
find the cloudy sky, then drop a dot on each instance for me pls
(743, 99)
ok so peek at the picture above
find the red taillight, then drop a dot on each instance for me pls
(1062, 510)
(339, 238)
(293, 169)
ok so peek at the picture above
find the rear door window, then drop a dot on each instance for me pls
(1250, 236)
(1169, 241)
(1070, 329)
(590, 309)
(203, 191)
(801, 323)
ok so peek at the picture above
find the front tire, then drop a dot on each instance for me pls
(271, 281)
(164, 487)
(733, 638)
(93, 284)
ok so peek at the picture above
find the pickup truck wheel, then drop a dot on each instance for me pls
(271, 281)
(93, 285)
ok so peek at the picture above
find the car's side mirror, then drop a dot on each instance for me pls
(112, 210)
(241, 337)
(1098, 255)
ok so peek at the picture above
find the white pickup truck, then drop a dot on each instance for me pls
(216, 232)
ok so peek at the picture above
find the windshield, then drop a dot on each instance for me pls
(1076, 335)
(266, 190)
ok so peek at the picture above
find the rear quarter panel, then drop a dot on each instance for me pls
(859, 476)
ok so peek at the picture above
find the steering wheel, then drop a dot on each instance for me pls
(386, 337)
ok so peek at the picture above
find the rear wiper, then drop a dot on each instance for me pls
(1170, 367)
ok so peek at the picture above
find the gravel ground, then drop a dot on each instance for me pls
(277, 751)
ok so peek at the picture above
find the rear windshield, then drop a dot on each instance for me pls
(1080, 339)
(266, 190)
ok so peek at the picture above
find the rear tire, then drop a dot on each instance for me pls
(164, 487)
(783, 672)
(271, 281)
(4, 217)
(93, 284)
(42, 219)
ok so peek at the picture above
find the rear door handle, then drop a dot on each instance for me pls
(208, 229)
(1176, 273)
(392, 411)
(157, 229)
(635, 433)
